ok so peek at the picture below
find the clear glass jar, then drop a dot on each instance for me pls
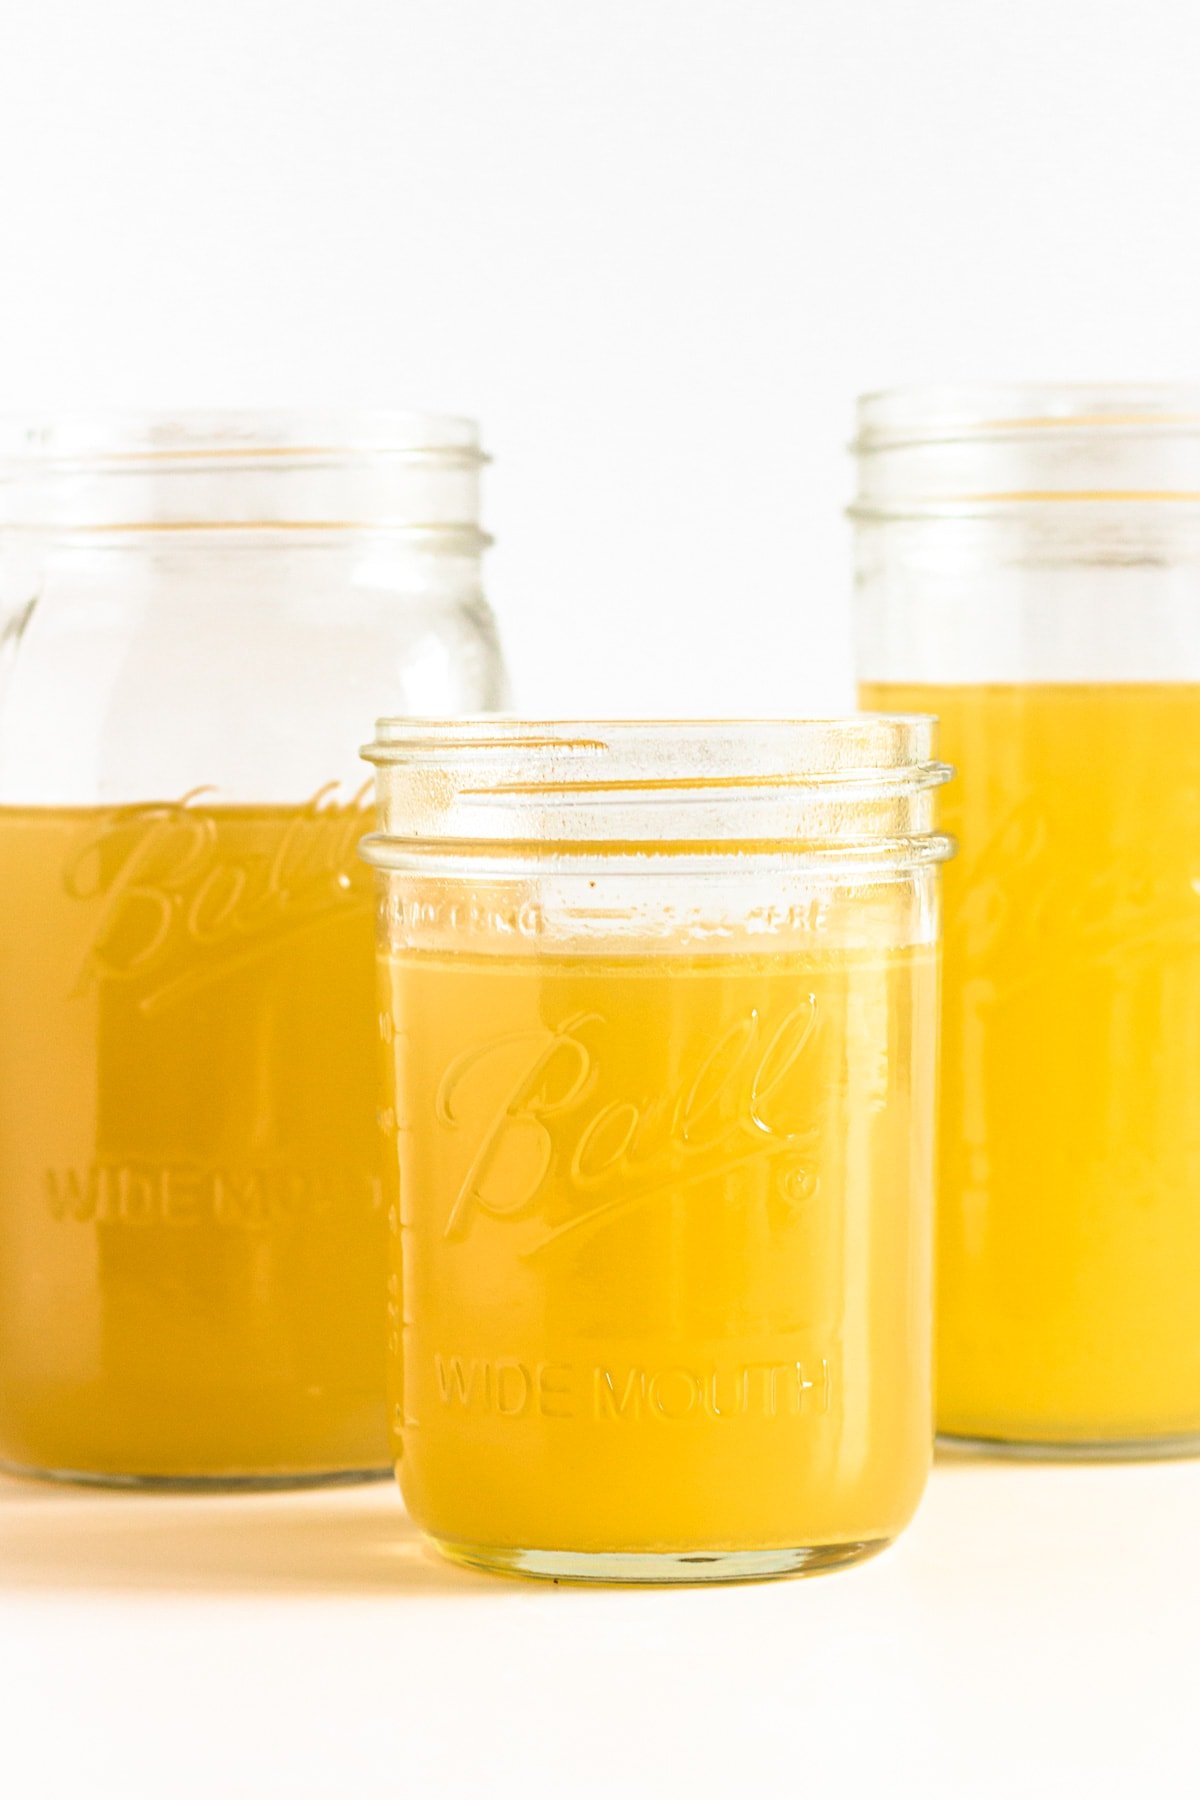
(195, 613)
(659, 1002)
(1029, 569)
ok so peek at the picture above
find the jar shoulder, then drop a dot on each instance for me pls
(257, 675)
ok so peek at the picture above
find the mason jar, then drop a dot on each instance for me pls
(1028, 568)
(659, 1003)
(195, 612)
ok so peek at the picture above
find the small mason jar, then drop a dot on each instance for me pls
(659, 1008)
(1029, 569)
(194, 613)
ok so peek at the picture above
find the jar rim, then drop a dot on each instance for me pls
(811, 748)
(1099, 460)
(891, 418)
(94, 477)
(609, 792)
(156, 438)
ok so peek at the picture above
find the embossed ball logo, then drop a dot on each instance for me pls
(182, 902)
(530, 1105)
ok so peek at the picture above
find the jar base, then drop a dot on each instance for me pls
(199, 1484)
(1164, 1449)
(660, 1568)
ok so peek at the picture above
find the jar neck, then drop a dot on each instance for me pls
(978, 450)
(402, 472)
(699, 793)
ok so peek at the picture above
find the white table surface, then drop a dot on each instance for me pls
(1036, 1632)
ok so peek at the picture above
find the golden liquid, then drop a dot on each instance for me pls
(664, 1252)
(1069, 1215)
(192, 1261)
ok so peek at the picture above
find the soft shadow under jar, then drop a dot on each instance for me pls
(659, 1008)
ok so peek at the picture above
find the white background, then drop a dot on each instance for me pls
(1035, 1635)
(657, 247)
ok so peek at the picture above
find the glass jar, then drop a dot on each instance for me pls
(194, 614)
(1029, 569)
(659, 1008)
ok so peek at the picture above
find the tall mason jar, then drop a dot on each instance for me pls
(1028, 568)
(196, 613)
(659, 1008)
